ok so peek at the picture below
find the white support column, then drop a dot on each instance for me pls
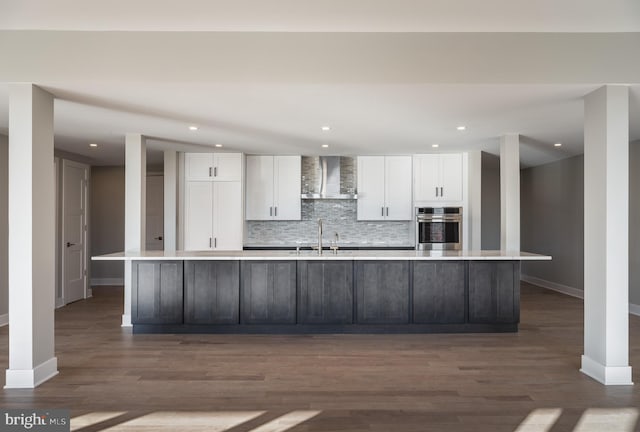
(606, 236)
(170, 199)
(135, 179)
(31, 238)
(4, 230)
(510, 192)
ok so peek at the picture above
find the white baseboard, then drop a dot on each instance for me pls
(4, 320)
(107, 281)
(634, 309)
(607, 375)
(59, 302)
(31, 378)
(564, 289)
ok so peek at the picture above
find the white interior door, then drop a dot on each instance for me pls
(155, 213)
(74, 206)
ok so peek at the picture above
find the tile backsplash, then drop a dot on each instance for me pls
(337, 216)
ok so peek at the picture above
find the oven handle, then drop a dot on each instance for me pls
(439, 219)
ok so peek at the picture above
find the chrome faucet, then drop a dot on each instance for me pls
(319, 236)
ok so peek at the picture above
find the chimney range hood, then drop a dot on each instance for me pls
(322, 178)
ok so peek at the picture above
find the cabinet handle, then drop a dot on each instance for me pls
(270, 211)
(381, 211)
(210, 169)
(441, 191)
(209, 242)
(215, 171)
(436, 190)
(275, 211)
(215, 242)
(387, 211)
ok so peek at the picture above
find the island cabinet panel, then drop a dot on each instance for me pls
(268, 291)
(156, 292)
(382, 290)
(494, 292)
(325, 292)
(212, 292)
(439, 292)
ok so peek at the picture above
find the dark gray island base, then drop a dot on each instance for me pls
(325, 296)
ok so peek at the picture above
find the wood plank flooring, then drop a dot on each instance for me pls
(113, 380)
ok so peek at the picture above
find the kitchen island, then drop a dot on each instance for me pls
(359, 291)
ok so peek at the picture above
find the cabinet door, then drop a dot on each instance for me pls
(227, 216)
(426, 182)
(156, 292)
(198, 215)
(398, 203)
(371, 188)
(227, 167)
(438, 292)
(198, 166)
(383, 292)
(286, 187)
(259, 187)
(451, 176)
(212, 292)
(494, 292)
(326, 292)
(268, 291)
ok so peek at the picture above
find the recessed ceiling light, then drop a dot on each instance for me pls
(557, 145)
(435, 145)
(325, 145)
(326, 128)
(193, 128)
(218, 145)
(93, 145)
(461, 128)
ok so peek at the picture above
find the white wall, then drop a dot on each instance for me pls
(107, 223)
(4, 229)
(552, 200)
(490, 185)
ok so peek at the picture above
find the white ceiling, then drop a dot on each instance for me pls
(271, 92)
(324, 16)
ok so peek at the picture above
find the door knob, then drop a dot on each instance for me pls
(70, 244)
(158, 238)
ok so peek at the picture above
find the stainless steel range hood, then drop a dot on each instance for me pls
(322, 178)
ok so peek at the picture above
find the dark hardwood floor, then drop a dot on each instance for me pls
(112, 379)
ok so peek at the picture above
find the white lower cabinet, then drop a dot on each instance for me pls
(213, 215)
(384, 188)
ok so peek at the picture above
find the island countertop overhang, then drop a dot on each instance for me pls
(411, 255)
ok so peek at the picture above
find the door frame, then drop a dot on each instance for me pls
(87, 170)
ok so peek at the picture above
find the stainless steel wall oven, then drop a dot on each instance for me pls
(438, 228)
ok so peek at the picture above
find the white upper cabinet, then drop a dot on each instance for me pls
(287, 182)
(384, 188)
(213, 166)
(273, 188)
(437, 177)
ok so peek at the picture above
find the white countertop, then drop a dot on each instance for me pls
(491, 255)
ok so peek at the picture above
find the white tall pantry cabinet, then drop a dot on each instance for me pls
(273, 188)
(384, 188)
(213, 201)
